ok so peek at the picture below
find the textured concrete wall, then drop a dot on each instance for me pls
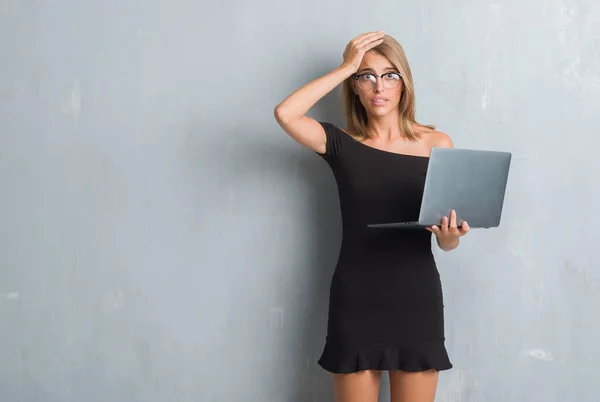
(162, 239)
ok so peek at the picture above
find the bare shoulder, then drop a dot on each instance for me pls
(440, 140)
(433, 138)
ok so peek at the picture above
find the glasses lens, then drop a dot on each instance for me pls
(391, 80)
(366, 81)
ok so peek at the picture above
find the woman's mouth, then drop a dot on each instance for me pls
(378, 101)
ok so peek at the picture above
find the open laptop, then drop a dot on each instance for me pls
(472, 182)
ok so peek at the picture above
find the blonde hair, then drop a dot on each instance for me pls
(355, 113)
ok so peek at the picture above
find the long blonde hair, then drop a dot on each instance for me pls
(355, 113)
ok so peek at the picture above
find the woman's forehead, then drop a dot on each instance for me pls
(376, 62)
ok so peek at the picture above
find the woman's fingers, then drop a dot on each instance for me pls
(372, 45)
(358, 46)
(465, 228)
(444, 225)
(433, 229)
(453, 219)
(367, 37)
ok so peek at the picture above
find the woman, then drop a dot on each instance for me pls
(385, 306)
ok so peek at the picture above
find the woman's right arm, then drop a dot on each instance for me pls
(291, 112)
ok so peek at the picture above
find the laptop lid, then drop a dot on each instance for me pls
(472, 182)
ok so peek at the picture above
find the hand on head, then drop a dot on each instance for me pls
(357, 47)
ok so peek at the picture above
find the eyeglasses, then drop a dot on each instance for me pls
(369, 80)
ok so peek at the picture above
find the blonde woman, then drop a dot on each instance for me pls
(386, 301)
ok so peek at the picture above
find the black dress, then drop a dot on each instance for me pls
(385, 305)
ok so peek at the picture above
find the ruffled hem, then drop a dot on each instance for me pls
(408, 356)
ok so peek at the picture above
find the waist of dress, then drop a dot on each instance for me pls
(404, 248)
(387, 237)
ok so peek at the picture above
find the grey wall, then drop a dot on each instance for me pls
(161, 239)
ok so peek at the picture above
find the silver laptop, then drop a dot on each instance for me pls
(472, 182)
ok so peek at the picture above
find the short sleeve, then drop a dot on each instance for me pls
(333, 141)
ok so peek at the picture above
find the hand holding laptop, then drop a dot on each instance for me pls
(449, 230)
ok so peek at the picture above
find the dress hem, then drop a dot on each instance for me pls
(406, 356)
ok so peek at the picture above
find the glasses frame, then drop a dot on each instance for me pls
(373, 84)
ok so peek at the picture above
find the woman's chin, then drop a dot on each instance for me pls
(379, 112)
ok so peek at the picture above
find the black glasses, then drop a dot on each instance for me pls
(369, 80)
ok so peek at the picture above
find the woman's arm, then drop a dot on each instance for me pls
(291, 112)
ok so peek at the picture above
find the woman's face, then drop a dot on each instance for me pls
(379, 95)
